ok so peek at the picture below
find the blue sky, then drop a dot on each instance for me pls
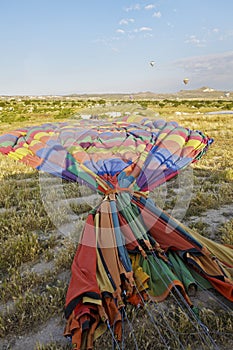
(105, 46)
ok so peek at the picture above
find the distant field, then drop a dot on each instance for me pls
(35, 258)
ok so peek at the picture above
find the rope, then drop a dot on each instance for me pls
(194, 316)
(132, 330)
(115, 343)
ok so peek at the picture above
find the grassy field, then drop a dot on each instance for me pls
(35, 257)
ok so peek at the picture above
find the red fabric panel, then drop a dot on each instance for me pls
(165, 235)
(83, 270)
(225, 288)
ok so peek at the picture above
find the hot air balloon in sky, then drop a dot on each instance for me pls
(152, 63)
(130, 250)
(185, 81)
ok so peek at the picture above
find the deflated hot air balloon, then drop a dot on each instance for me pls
(130, 250)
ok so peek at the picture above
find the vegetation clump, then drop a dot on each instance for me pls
(35, 258)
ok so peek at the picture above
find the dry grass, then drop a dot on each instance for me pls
(28, 236)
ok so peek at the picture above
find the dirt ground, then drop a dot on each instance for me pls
(52, 330)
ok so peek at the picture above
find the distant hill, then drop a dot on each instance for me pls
(205, 93)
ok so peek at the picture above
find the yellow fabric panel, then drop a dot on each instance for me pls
(102, 277)
(177, 138)
(32, 143)
(141, 277)
(222, 252)
(39, 135)
(196, 144)
(20, 153)
(92, 301)
(101, 274)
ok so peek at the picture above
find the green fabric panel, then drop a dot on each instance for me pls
(186, 274)
(201, 282)
(6, 143)
(126, 207)
(75, 169)
(160, 274)
(181, 270)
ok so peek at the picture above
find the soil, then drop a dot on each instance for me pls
(52, 330)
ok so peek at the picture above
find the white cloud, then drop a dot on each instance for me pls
(192, 39)
(126, 21)
(215, 30)
(121, 31)
(145, 29)
(146, 32)
(157, 14)
(133, 7)
(149, 7)
(217, 64)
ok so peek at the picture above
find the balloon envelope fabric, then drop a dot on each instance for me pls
(130, 250)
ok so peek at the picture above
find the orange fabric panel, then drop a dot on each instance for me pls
(223, 287)
(108, 245)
